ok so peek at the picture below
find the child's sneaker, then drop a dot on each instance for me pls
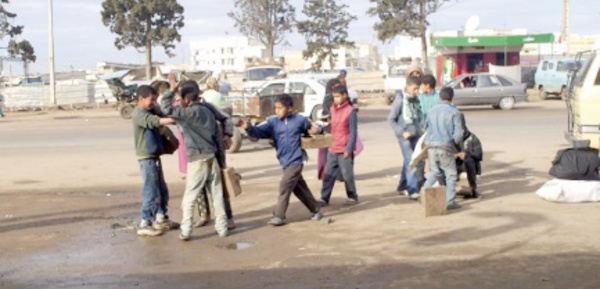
(164, 224)
(230, 225)
(323, 203)
(415, 196)
(276, 221)
(202, 222)
(317, 216)
(223, 234)
(351, 202)
(144, 229)
(184, 238)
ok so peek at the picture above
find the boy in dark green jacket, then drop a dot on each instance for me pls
(148, 148)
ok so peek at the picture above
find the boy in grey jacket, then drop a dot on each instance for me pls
(444, 134)
(406, 119)
(203, 144)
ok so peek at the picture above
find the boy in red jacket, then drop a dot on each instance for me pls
(341, 153)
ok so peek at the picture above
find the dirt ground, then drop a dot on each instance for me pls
(70, 192)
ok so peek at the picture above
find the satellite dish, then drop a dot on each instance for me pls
(472, 23)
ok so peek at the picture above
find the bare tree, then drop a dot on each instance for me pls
(404, 17)
(266, 20)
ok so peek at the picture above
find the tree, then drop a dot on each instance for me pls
(6, 28)
(143, 24)
(404, 16)
(325, 30)
(265, 20)
(23, 51)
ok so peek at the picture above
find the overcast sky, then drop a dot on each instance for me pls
(81, 40)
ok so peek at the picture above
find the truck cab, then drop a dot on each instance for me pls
(583, 101)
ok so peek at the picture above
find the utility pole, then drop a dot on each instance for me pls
(565, 32)
(51, 53)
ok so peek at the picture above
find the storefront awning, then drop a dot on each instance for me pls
(483, 41)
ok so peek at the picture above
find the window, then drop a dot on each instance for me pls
(485, 81)
(273, 89)
(551, 66)
(467, 82)
(581, 74)
(504, 81)
(597, 81)
(297, 87)
(545, 66)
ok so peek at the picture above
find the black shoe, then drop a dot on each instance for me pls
(323, 203)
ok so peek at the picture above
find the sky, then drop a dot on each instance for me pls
(81, 40)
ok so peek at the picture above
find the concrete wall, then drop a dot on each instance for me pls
(66, 94)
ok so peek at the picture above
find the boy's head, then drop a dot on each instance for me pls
(412, 86)
(340, 95)
(190, 92)
(284, 105)
(331, 84)
(447, 94)
(146, 97)
(428, 83)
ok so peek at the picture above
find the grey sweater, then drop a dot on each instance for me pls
(200, 129)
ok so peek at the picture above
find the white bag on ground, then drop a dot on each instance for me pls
(565, 191)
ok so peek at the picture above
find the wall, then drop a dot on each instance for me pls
(66, 94)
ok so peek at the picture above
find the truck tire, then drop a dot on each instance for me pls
(543, 95)
(316, 113)
(236, 141)
(126, 110)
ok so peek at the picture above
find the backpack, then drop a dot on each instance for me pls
(576, 165)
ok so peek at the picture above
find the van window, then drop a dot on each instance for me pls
(582, 73)
(597, 81)
(551, 66)
(545, 66)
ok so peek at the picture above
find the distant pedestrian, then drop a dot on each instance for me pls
(213, 96)
(148, 147)
(445, 133)
(405, 118)
(203, 143)
(340, 159)
(342, 77)
(286, 129)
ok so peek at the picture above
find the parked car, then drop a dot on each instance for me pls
(498, 91)
(552, 75)
(313, 90)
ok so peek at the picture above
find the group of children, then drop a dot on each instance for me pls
(420, 110)
(203, 136)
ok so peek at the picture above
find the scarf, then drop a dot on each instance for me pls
(411, 109)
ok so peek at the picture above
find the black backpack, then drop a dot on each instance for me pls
(576, 165)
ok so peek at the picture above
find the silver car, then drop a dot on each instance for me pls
(498, 91)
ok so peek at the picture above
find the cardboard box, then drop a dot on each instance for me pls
(317, 142)
(434, 201)
(231, 182)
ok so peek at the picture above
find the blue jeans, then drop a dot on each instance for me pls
(155, 194)
(410, 180)
(443, 164)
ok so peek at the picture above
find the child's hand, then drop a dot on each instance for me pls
(315, 129)
(347, 155)
(173, 83)
(407, 135)
(242, 123)
(461, 156)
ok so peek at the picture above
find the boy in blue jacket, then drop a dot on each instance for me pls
(287, 128)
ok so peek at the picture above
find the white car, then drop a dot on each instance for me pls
(313, 90)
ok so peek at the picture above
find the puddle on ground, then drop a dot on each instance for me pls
(26, 182)
(237, 246)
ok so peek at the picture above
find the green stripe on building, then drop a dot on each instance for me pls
(483, 41)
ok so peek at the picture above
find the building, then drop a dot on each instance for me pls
(228, 54)
(462, 52)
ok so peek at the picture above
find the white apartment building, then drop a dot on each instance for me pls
(229, 54)
(361, 56)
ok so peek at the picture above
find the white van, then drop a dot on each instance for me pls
(551, 77)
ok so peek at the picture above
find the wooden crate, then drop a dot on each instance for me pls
(434, 201)
(231, 182)
(317, 142)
